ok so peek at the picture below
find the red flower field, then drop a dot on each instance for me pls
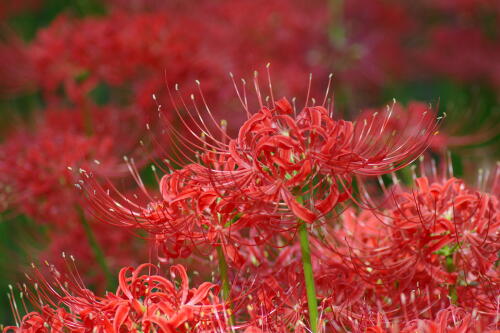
(250, 166)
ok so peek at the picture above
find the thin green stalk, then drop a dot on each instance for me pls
(312, 302)
(226, 289)
(96, 249)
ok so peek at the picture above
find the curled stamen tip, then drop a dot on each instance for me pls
(70, 168)
(97, 162)
(71, 257)
(255, 73)
(394, 100)
(63, 254)
(176, 87)
(231, 75)
(330, 75)
(197, 82)
(147, 126)
(268, 65)
(33, 265)
(192, 96)
(10, 287)
(223, 123)
(125, 158)
(154, 97)
(81, 170)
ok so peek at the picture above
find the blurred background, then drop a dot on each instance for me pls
(77, 78)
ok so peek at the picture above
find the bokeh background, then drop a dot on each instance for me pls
(77, 77)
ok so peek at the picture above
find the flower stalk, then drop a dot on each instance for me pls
(226, 289)
(312, 302)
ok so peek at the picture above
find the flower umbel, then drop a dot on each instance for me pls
(143, 302)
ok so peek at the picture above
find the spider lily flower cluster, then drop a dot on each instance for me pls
(421, 260)
(284, 166)
(38, 169)
(143, 302)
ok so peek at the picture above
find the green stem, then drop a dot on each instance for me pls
(312, 302)
(96, 249)
(226, 289)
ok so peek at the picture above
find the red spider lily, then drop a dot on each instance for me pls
(35, 170)
(450, 215)
(36, 180)
(143, 302)
(439, 238)
(190, 213)
(311, 153)
(35, 164)
(381, 308)
(244, 190)
(356, 301)
(280, 154)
